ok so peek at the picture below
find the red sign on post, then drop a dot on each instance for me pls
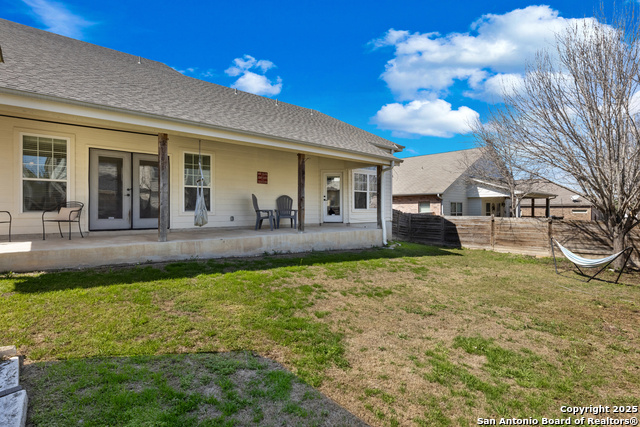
(263, 177)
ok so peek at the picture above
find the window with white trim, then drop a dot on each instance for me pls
(44, 172)
(579, 211)
(365, 189)
(424, 207)
(456, 208)
(191, 177)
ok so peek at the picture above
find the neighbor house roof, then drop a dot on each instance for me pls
(42, 64)
(432, 173)
(564, 196)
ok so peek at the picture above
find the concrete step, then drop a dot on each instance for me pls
(9, 373)
(13, 409)
(13, 406)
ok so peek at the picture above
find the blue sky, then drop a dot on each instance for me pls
(412, 71)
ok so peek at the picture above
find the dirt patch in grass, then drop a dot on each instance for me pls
(396, 339)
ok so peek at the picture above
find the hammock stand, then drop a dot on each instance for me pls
(578, 261)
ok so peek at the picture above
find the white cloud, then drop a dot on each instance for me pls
(488, 59)
(498, 44)
(58, 19)
(634, 104)
(258, 84)
(425, 118)
(493, 88)
(255, 81)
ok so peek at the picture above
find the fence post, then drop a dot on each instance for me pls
(550, 235)
(443, 231)
(492, 237)
(395, 222)
(410, 236)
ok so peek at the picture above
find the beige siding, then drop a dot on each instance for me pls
(234, 175)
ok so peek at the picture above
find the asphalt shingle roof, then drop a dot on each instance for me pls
(564, 196)
(43, 63)
(430, 174)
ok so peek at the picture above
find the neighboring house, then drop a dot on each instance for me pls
(439, 184)
(83, 122)
(433, 183)
(567, 204)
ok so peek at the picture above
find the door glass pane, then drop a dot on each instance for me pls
(149, 199)
(333, 195)
(110, 187)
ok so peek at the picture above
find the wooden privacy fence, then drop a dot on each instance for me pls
(529, 236)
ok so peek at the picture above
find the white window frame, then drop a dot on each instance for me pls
(184, 182)
(420, 205)
(66, 181)
(579, 211)
(369, 172)
(456, 212)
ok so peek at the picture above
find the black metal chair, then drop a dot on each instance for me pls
(283, 210)
(66, 212)
(262, 214)
(9, 222)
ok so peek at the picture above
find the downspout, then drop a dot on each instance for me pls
(384, 222)
(439, 196)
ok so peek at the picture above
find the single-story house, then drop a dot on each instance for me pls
(567, 204)
(441, 184)
(85, 123)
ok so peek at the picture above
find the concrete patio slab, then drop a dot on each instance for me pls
(136, 247)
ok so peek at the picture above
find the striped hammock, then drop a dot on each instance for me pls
(579, 261)
(586, 262)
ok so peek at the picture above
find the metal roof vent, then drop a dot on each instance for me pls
(1, 58)
(575, 198)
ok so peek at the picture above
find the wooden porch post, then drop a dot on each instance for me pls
(547, 209)
(379, 196)
(533, 207)
(301, 177)
(163, 196)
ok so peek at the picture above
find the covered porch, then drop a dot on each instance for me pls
(31, 253)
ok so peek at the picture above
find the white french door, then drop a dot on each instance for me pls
(123, 190)
(332, 197)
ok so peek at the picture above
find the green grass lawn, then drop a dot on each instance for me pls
(415, 335)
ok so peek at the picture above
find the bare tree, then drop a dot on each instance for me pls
(575, 117)
(501, 163)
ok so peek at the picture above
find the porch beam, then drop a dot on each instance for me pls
(301, 179)
(379, 196)
(163, 196)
